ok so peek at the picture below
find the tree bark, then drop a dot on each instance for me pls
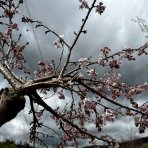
(10, 105)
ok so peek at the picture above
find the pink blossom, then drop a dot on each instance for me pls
(127, 55)
(45, 69)
(113, 144)
(26, 20)
(105, 50)
(101, 62)
(59, 41)
(100, 8)
(83, 62)
(114, 63)
(109, 115)
(83, 4)
(92, 73)
(142, 49)
(99, 122)
(88, 104)
(142, 123)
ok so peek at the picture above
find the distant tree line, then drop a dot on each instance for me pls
(12, 144)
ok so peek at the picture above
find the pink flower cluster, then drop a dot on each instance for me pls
(100, 8)
(83, 4)
(113, 144)
(144, 108)
(101, 61)
(111, 83)
(83, 62)
(106, 60)
(70, 133)
(99, 122)
(72, 136)
(142, 49)
(109, 115)
(45, 69)
(127, 54)
(142, 123)
(114, 63)
(92, 73)
(26, 20)
(17, 52)
(59, 41)
(137, 89)
(111, 79)
(18, 58)
(9, 30)
(87, 104)
(9, 13)
(105, 51)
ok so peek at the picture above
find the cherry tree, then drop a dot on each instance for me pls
(78, 78)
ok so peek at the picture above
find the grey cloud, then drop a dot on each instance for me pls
(113, 28)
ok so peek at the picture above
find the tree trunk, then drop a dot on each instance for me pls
(10, 105)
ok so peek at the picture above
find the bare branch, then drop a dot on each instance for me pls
(76, 39)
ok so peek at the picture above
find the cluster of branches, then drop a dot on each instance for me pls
(81, 81)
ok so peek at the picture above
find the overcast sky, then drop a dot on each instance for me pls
(113, 28)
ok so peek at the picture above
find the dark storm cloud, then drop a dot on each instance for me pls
(113, 28)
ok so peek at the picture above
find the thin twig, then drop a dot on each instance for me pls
(76, 39)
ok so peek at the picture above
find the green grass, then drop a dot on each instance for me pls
(5, 145)
(145, 145)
